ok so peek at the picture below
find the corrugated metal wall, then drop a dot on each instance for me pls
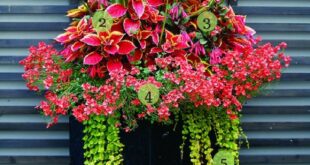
(24, 138)
(278, 122)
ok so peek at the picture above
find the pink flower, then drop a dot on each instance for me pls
(163, 112)
(215, 56)
(48, 82)
(197, 49)
(136, 102)
(177, 12)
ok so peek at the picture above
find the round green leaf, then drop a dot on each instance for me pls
(206, 21)
(102, 21)
(224, 157)
(148, 94)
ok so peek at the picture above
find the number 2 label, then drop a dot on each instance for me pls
(102, 21)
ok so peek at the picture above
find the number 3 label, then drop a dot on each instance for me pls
(148, 94)
(206, 21)
(224, 157)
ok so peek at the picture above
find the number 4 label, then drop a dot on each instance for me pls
(148, 94)
(224, 157)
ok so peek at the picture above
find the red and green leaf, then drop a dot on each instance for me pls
(139, 7)
(116, 10)
(131, 27)
(63, 38)
(125, 47)
(111, 49)
(92, 40)
(114, 64)
(92, 58)
(155, 3)
(137, 56)
(76, 46)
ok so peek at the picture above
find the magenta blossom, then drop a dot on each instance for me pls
(177, 12)
(197, 49)
(215, 56)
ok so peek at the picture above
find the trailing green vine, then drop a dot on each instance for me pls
(227, 132)
(196, 129)
(102, 144)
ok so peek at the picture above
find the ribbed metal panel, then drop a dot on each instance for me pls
(24, 138)
(278, 121)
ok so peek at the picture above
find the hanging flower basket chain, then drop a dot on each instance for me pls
(160, 61)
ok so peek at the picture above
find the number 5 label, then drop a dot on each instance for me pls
(224, 157)
(148, 94)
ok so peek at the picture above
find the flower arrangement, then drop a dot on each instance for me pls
(163, 61)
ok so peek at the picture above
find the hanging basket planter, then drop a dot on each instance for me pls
(131, 71)
(148, 144)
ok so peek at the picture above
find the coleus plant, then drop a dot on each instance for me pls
(162, 61)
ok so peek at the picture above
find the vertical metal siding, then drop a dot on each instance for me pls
(24, 138)
(278, 122)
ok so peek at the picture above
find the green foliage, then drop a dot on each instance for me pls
(102, 144)
(196, 128)
(227, 132)
(197, 125)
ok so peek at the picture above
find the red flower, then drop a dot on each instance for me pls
(112, 42)
(174, 42)
(74, 33)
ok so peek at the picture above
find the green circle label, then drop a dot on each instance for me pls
(224, 157)
(206, 21)
(102, 21)
(148, 94)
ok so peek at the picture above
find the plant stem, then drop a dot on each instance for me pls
(164, 24)
(202, 9)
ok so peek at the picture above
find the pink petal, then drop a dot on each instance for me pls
(125, 47)
(142, 44)
(155, 3)
(138, 6)
(92, 58)
(155, 50)
(83, 23)
(71, 29)
(169, 35)
(116, 10)
(116, 37)
(114, 64)
(72, 57)
(118, 26)
(155, 37)
(145, 34)
(63, 38)
(76, 46)
(91, 39)
(111, 49)
(73, 36)
(131, 27)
